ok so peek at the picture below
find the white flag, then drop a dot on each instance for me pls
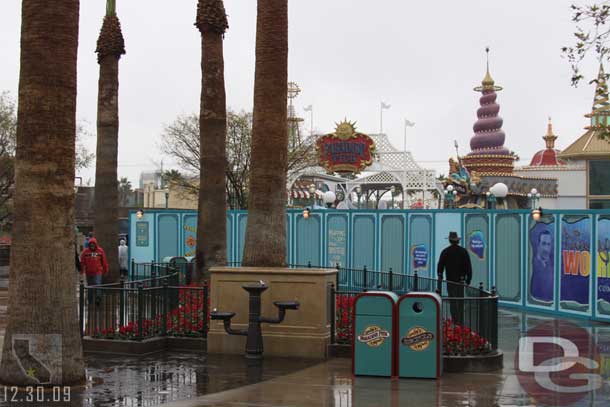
(385, 105)
(308, 108)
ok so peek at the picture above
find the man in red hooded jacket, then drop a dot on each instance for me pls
(93, 263)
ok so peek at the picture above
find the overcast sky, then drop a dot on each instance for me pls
(421, 57)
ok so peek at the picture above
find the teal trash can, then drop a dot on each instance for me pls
(419, 336)
(373, 340)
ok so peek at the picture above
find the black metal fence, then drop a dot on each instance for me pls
(144, 308)
(469, 314)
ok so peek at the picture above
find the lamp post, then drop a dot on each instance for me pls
(140, 213)
(450, 194)
(359, 193)
(392, 191)
(166, 199)
(534, 198)
(312, 192)
(491, 200)
(329, 198)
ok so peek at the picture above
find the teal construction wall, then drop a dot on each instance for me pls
(559, 265)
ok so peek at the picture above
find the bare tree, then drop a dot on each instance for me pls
(180, 141)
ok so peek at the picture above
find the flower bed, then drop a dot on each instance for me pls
(186, 320)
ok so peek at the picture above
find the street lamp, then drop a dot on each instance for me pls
(392, 191)
(312, 192)
(140, 213)
(359, 193)
(166, 199)
(329, 198)
(450, 195)
(534, 198)
(537, 214)
(491, 200)
(499, 190)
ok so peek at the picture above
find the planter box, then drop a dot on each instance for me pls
(143, 347)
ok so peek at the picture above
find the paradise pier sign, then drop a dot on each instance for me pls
(345, 150)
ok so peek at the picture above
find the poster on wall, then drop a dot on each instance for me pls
(190, 236)
(336, 247)
(575, 262)
(541, 285)
(603, 265)
(476, 244)
(142, 234)
(419, 254)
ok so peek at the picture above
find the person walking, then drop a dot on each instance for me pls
(455, 261)
(94, 264)
(123, 258)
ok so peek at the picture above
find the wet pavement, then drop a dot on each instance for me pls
(190, 380)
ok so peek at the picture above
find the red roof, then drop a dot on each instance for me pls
(546, 157)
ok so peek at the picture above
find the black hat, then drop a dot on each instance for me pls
(453, 237)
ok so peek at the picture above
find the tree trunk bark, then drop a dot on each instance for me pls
(212, 219)
(266, 231)
(106, 199)
(42, 329)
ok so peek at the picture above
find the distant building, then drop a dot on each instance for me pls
(151, 177)
(547, 164)
(591, 151)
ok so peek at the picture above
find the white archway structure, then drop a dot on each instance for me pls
(390, 167)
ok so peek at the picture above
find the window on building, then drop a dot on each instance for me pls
(599, 177)
(599, 204)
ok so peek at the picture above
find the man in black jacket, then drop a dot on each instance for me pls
(455, 260)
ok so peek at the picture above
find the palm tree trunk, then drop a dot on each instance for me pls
(212, 219)
(266, 231)
(106, 227)
(42, 306)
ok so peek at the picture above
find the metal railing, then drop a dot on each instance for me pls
(143, 309)
(469, 314)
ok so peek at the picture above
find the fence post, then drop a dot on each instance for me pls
(481, 288)
(333, 314)
(81, 301)
(165, 310)
(206, 311)
(133, 266)
(309, 264)
(366, 280)
(337, 276)
(439, 284)
(140, 309)
(415, 281)
(390, 284)
(122, 302)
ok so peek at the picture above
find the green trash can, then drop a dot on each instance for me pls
(373, 340)
(419, 335)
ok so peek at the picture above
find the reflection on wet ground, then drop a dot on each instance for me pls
(189, 380)
(126, 381)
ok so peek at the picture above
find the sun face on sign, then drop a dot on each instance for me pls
(345, 130)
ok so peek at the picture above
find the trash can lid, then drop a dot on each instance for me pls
(421, 294)
(379, 303)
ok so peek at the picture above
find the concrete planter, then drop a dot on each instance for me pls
(145, 346)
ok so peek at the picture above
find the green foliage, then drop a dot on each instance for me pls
(592, 35)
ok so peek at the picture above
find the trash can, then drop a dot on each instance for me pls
(373, 340)
(419, 336)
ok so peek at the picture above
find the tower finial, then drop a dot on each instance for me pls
(549, 137)
(487, 52)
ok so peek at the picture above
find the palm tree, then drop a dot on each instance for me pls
(42, 309)
(266, 231)
(211, 225)
(110, 47)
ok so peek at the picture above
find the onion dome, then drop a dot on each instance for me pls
(488, 152)
(548, 156)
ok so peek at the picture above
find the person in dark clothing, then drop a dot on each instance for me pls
(455, 261)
